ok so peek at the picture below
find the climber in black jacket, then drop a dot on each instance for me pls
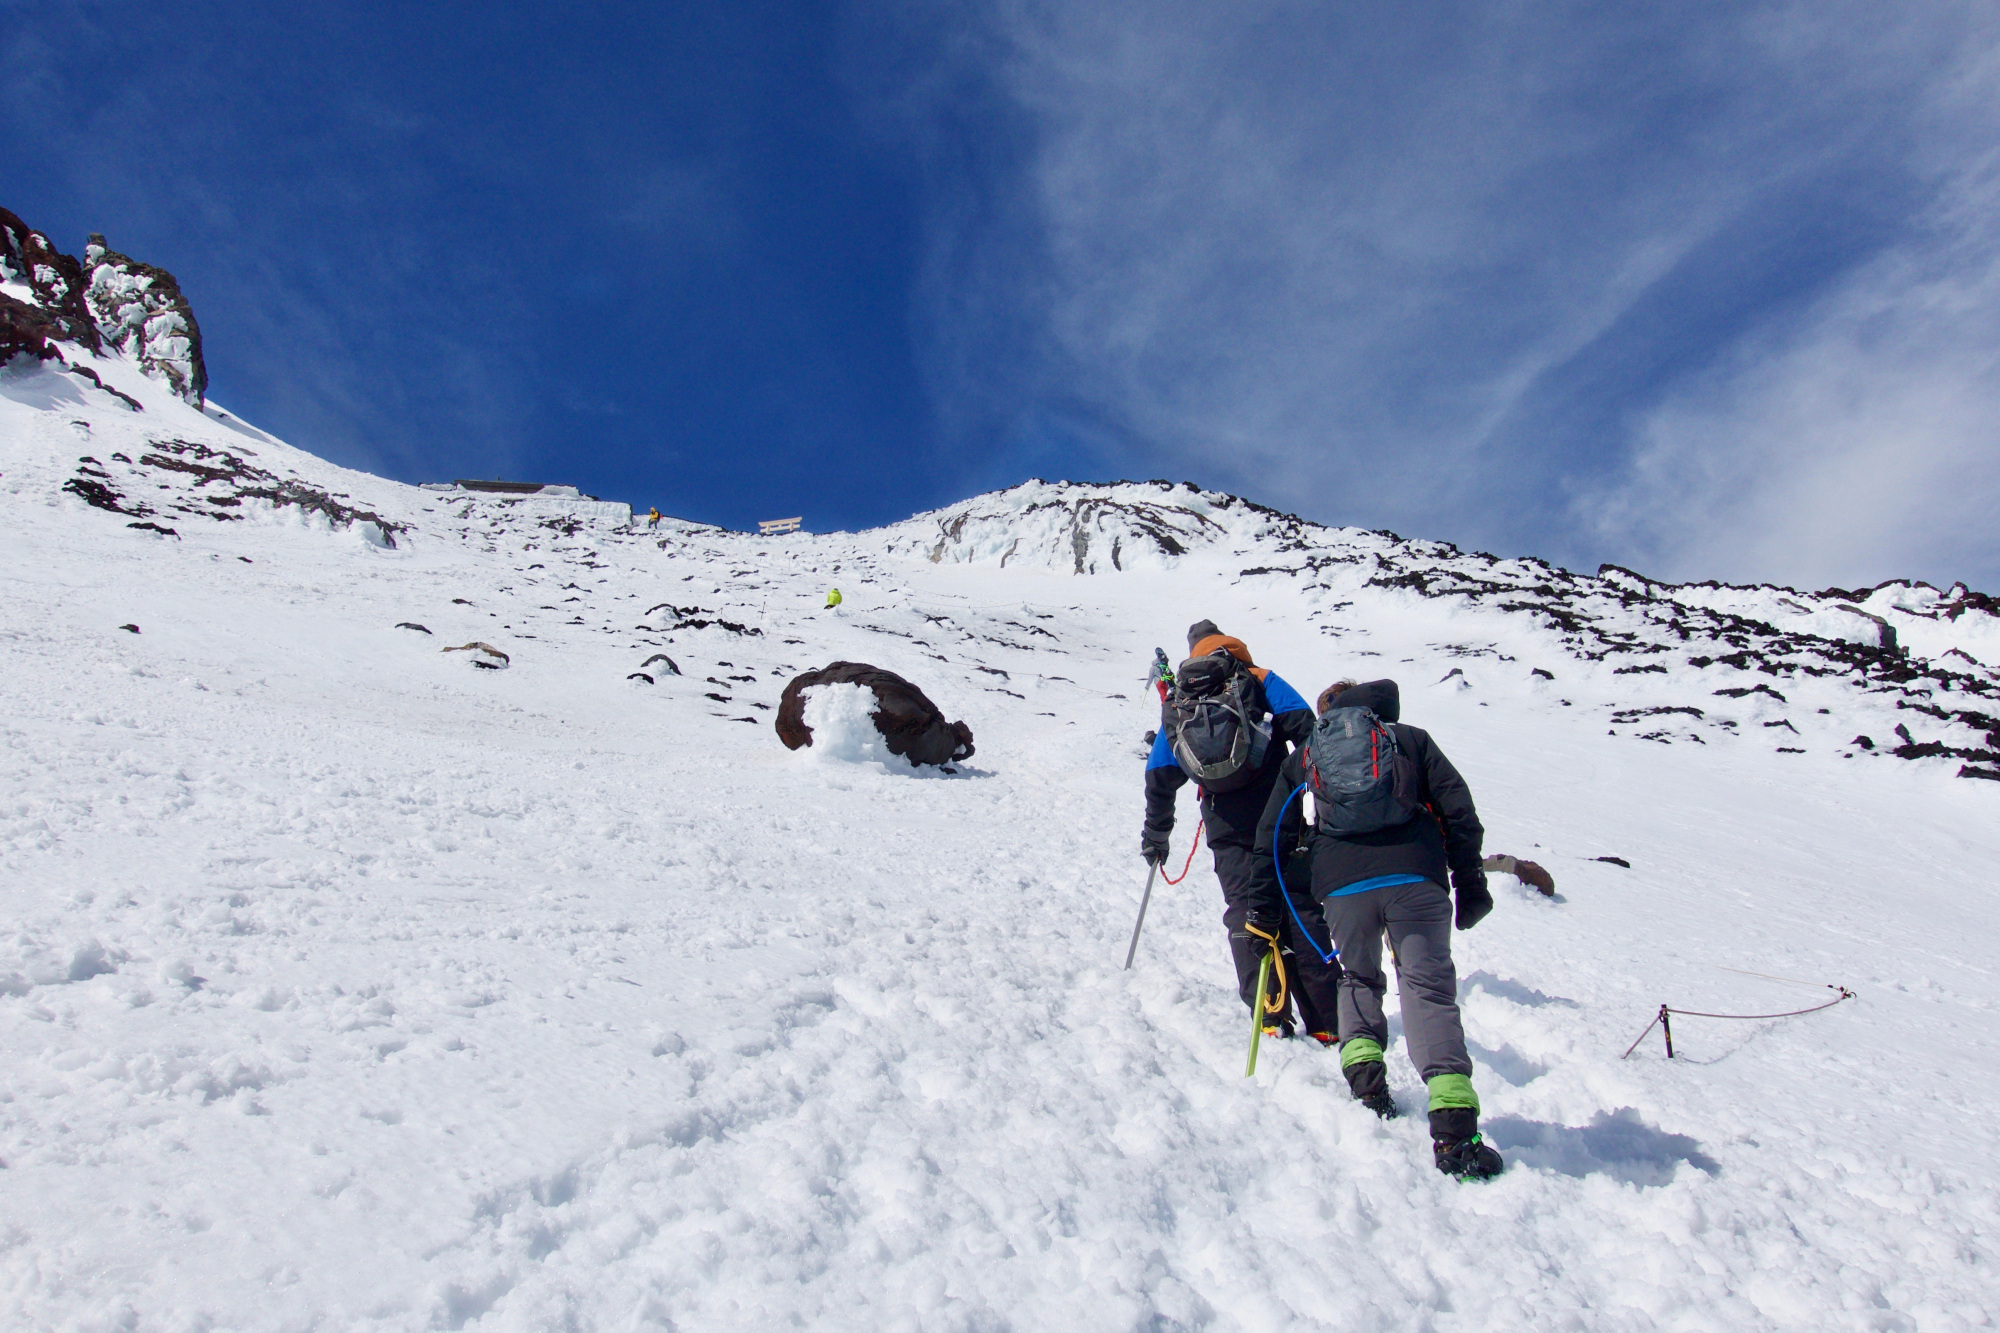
(1230, 817)
(1393, 880)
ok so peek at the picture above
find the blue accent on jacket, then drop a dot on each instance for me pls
(1379, 882)
(1281, 697)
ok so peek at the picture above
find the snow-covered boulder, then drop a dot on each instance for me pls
(909, 723)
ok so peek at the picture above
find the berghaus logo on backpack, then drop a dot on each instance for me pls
(1360, 778)
(1218, 738)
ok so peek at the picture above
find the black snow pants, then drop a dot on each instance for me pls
(1313, 983)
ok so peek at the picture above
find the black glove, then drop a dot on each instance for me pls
(1153, 846)
(1474, 902)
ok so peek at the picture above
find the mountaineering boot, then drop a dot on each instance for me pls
(1323, 1038)
(1278, 1031)
(1468, 1159)
(1368, 1079)
(1459, 1150)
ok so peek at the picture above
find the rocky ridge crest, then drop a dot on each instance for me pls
(1935, 654)
(106, 302)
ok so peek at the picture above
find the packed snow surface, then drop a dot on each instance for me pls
(350, 985)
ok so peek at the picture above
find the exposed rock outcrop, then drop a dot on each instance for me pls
(108, 302)
(26, 329)
(56, 281)
(213, 484)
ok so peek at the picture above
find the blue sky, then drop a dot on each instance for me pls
(1708, 290)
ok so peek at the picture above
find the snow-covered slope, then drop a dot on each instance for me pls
(350, 985)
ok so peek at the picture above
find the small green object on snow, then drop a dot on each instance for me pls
(832, 599)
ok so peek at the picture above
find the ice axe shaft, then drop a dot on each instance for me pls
(1139, 925)
(1257, 1014)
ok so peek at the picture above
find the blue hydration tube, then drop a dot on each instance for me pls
(1279, 866)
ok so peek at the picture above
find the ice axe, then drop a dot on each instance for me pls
(1147, 897)
(1257, 1013)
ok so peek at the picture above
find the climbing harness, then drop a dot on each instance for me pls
(1279, 865)
(1663, 1019)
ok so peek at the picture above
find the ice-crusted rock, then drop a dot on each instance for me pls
(35, 275)
(202, 482)
(1101, 529)
(108, 300)
(139, 310)
(1897, 616)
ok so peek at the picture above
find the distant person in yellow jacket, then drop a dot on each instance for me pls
(653, 518)
(833, 599)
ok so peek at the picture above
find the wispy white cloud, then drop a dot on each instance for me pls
(1485, 271)
(1861, 442)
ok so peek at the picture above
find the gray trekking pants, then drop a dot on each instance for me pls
(1418, 920)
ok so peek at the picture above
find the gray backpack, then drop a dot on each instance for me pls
(1361, 779)
(1218, 737)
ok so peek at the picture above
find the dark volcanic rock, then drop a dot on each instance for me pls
(57, 280)
(1528, 872)
(911, 725)
(219, 480)
(26, 329)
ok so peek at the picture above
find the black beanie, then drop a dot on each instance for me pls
(1201, 629)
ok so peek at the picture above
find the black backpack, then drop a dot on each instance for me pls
(1216, 723)
(1361, 779)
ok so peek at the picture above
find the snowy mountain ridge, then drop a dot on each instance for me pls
(1095, 529)
(1930, 648)
(405, 930)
